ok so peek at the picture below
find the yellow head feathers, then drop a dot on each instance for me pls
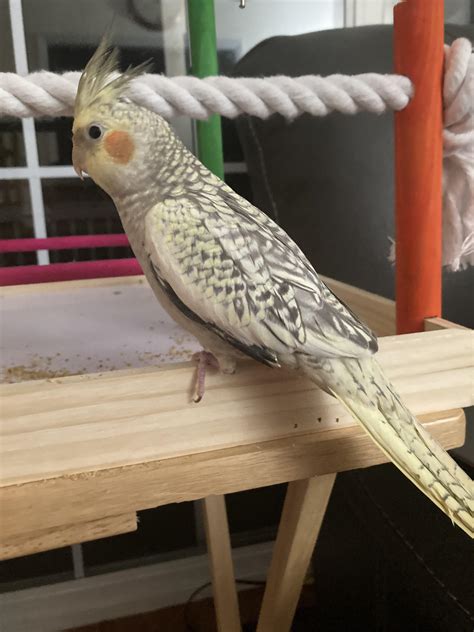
(101, 81)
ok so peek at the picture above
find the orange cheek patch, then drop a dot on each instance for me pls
(119, 146)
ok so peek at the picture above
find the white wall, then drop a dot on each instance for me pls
(84, 21)
(264, 18)
(77, 22)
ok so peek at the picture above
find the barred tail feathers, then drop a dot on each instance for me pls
(361, 386)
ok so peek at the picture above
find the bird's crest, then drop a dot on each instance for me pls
(101, 80)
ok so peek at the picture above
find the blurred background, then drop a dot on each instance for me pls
(44, 197)
(40, 195)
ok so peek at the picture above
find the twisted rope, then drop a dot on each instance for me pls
(47, 94)
(458, 158)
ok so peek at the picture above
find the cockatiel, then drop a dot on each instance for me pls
(233, 278)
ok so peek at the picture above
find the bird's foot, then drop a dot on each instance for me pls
(204, 360)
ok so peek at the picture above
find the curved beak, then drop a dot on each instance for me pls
(76, 162)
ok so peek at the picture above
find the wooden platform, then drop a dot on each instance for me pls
(81, 454)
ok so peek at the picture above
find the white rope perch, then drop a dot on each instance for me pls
(458, 156)
(47, 94)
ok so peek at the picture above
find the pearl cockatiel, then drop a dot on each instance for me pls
(234, 279)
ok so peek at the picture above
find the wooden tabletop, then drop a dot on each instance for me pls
(81, 454)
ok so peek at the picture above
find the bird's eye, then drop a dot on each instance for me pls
(94, 132)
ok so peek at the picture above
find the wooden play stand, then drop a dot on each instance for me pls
(80, 455)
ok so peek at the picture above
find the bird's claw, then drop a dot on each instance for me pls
(204, 360)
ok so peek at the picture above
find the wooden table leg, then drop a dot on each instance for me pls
(222, 569)
(301, 520)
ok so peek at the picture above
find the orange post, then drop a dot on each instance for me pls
(418, 49)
